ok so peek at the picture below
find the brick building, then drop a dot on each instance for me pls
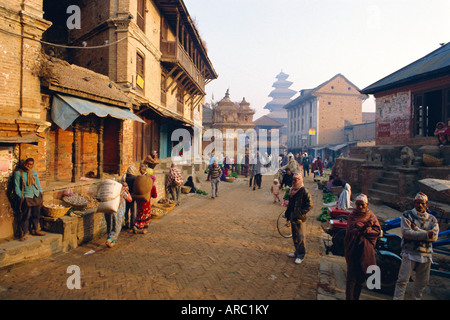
(89, 101)
(317, 118)
(411, 101)
(409, 104)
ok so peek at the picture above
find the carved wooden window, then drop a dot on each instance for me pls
(140, 20)
(140, 71)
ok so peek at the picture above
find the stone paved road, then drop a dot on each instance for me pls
(222, 249)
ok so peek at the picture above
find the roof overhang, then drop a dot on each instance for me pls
(66, 109)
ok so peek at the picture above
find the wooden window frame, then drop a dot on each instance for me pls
(140, 70)
(140, 19)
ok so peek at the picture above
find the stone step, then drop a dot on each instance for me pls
(388, 181)
(385, 187)
(384, 196)
(34, 248)
(390, 174)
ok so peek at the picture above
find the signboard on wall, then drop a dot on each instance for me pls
(6, 161)
(312, 131)
(384, 130)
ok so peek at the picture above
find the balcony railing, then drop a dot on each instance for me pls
(173, 52)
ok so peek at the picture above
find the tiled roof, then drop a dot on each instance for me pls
(432, 65)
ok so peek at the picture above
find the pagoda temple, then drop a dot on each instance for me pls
(281, 96)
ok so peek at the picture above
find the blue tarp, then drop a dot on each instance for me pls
(66, 109)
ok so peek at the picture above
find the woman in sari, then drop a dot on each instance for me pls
(144, 211)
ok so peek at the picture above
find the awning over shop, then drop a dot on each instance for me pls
(66, 109)
(338, 147)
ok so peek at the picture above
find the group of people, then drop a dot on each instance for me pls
(138, 188)
(419, 230)
(418, 227)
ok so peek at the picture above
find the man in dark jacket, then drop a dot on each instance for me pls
(287, 179)
(300, 203)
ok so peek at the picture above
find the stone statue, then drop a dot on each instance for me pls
(407, 157)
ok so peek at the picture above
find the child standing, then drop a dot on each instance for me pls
(275, 189)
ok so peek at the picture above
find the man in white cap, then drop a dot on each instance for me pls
(361, 236)
(419, 230)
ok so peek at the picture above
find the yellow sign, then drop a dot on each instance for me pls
(312, 131)
(140, 81)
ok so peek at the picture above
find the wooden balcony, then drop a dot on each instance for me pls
(173, 53)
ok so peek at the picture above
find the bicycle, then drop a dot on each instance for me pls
(284, 226)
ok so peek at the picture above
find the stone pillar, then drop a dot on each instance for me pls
(100, 150)
(75, 153)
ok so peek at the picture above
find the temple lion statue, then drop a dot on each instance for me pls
(407, 157)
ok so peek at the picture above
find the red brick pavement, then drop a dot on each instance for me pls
(222, 249)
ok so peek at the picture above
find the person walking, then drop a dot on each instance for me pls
(174, 182)
(300, 203)
(419, 230)
(118, 216)
(130, 207)
(257, 171)
(361, 236)
(146, 185)
(306, 162)
(216, 173)
(28, 188)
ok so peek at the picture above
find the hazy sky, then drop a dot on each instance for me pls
(249, 42)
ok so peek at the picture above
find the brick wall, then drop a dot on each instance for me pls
(393, 124)
(339, 101)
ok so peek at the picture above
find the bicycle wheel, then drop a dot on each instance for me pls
(284, 226)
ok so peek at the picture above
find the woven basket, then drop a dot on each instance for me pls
(430, 161)
(158, 210)
(186, 189)
(55, 212)
(229, 179)
(75, 206)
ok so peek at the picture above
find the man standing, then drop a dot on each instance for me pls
(215, 175)
(300, 203)
(419, 230)
(28, 189)
(361, 236)
(257, 171)
(306, 162)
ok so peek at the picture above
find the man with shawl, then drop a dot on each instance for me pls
(361, 236)
(28, 189)
(344, 198)
(174, 182)
(300, 203)
(419, 230)
(292, 164)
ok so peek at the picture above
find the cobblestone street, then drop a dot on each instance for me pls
(223, 248)
(226, 248)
